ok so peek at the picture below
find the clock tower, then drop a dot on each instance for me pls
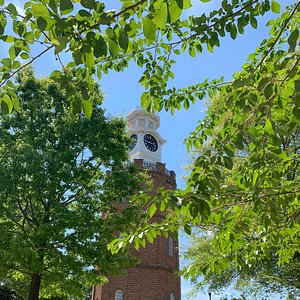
(146, 141)
(155, 277)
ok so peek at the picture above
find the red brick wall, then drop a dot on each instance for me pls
(154, 278)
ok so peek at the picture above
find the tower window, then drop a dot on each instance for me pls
(170, 246)
(119, 295)
(172, 296)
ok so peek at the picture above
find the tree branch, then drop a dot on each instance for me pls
(118, 14)
(296, 8)
(27, 64)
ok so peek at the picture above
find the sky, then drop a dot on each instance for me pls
(122, 90)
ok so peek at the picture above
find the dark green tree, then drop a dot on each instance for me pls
(7, 293)
(61, 180)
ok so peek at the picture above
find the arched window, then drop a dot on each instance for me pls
(172, 296)
(119, 295)
(170, 246)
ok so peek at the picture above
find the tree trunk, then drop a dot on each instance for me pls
(34, 287)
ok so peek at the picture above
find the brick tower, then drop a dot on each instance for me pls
(154, 278)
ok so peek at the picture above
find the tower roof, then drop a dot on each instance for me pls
(138, 112)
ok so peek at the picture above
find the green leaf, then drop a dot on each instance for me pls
(136, 243)
(16, 104)
(192, 51)
(113, 48)
(149, 237)
(188, 229)
(10, 7)
(269, 127)
(187, 4)
(209, 47)
(100, 46)
(268, 91)
(203, 207)
(228, 162)
(292, 40)
(41, 23)
(263, 82)
(6, 104)
(123, 39)
(55, 75)
(76, 106)
(88, 3)
(89, 59)
(110, 33)
(6, 62)
(229, 152)
(7, 38)
(66, 6)
(174, 11)
(39, 10)
(145, 100)
(60, 44)
(12, 53)
(275, 6)
(161, 16)
(252, 99)
(233, 32)
(87, 108)
(4, 107)
(149, 29)
(16, 64)
(180, 3)
(253, 21)
(254, 131)
(83, 14)
(152, 210)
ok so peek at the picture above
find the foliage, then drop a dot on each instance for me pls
(61, 179)
(8, 294)
(258, 282)
(256, 119)
(244, 186)
(149, 33)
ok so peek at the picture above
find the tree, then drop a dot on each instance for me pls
(260, 276)
(7, 293)
(149, 33)
(257, 212)
(258, 282)
(61, 180)
(244, 187)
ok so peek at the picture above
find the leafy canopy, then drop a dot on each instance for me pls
(149, 33)
(59, 175)
(261, 281)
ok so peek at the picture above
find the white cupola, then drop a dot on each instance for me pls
(146, 141)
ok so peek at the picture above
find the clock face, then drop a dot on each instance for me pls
(133, 142)
(150, 142)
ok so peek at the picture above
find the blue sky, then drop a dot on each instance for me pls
(122, 90)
